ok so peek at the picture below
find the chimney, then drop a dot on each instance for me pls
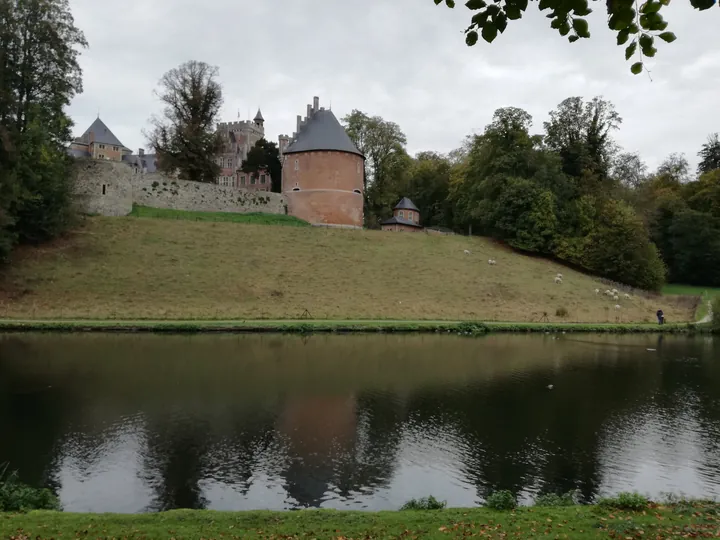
(316, 104)
(309, 111)
(299, 123)
(141, 152)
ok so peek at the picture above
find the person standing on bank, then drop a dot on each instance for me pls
(660, 316)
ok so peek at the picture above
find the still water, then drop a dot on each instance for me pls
(128, 423)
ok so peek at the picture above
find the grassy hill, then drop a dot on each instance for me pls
(149, 268)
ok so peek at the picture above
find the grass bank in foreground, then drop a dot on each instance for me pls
(687, 520)
(163, 269)
(339, 326)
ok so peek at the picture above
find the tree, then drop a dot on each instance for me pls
(429, 187)
(264, 156)
(629, 170)
(675, 168)
(619, 248)
(580, 132)
(386, 161)
(39, 75)
(638, 28)
(185, 138)
(710, 155)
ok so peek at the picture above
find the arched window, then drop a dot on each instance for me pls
(357, 191)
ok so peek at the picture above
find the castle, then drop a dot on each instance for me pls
(322, 170)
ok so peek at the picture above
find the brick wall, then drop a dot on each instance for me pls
(324, 187)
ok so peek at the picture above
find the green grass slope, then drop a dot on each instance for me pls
(139, 268)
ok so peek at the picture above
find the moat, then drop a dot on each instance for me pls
(133, 423)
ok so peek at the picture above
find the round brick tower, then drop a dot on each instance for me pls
(323, 171)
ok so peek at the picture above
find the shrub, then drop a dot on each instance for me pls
(625, 501)
(426, 503)
(501, 500)
(561, 312)
(553, 499)
(471, 329)
(18, 497)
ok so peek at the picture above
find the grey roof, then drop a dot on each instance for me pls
(146, 161)
(259, 116)
(102, 133)
(400, 221)
(322, 132)
(406, 204)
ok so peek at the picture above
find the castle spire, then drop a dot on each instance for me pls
(259, 118)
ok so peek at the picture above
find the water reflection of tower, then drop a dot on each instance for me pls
(320, 432)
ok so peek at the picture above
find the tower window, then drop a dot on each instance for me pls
(297, 165)
(103, 189)
(402, 214)
(252, 179)
(262, 178)
(242, 180)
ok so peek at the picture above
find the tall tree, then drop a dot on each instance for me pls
(264, 156)
(710, 155)
(39, 75)
(639, 28)
(185, 138)
(581, 132)
(675, 168)
(386, 161)
(629, 169)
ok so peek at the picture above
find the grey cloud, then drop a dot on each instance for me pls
(405, 60)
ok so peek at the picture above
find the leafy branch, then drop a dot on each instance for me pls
(642, 23)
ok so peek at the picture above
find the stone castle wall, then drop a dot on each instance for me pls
(110, 189)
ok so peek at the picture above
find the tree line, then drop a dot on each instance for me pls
(569, 193)
(39, 75)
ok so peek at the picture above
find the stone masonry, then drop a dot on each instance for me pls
(110, 189)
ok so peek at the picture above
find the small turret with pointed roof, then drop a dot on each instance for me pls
(259, 120)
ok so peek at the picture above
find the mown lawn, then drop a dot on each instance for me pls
(256, 218)
(683, 521)
(136, 268)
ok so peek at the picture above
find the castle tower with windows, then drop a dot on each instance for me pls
(238, 138)
(323, 171)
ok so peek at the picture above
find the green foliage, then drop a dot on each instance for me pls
(710, 155)
(256, 218)
(568, 17)
(39, 75)
(472, 329)
(18, 497)
(625, 501)
(386, 162)
(265, 156)
(185, 138)
(555, 500)
(501, 500)
(426, 503)
(619, 248)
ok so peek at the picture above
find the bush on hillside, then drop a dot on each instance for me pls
(553, 499)
(501, 500)
(625, 501)
(18, 497)
(426, 503)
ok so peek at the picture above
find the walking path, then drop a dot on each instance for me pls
(709, 317)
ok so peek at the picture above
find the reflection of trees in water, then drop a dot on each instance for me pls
(518, 434)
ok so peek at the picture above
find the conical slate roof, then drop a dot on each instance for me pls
(322, 132)
(406, 204)
(259, 117)
(103, 135)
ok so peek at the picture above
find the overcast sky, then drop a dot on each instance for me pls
(404, 60)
